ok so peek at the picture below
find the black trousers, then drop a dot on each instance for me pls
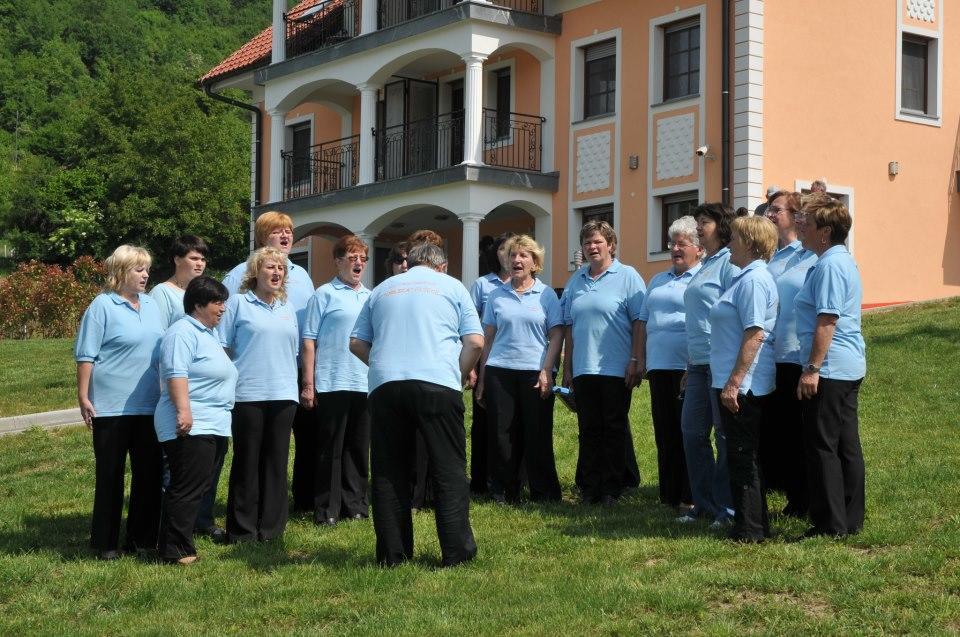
(603, 407)
(398, 410)
(304, 457)
(205, 518)
(782, 453)
(257, 500)
(113, 438)
(343, 452)
(520, 430)
(666, 407)
(191, 460)
(478, 448)
(834, 457)
(422, 476)
(750, 519)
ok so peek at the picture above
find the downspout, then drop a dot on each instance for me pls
(725, 107)
(257, 142)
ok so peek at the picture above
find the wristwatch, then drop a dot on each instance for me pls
(811, 369)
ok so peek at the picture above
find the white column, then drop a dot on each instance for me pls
(473, 110)
(470, 267)
(368, 121)
(367, 277)
(543, 229)
(277, 133)
(548, 101)
(368, 16)
(279, 51)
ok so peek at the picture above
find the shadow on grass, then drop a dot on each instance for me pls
(949, 335)
(66, 535)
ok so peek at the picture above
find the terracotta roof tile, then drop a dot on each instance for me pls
(257, 51)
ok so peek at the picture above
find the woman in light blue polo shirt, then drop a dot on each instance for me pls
(336, 381)
(833, 354)
(498, 274)
(188, 255)
(602, 301)
(662, 322)
(523, 334)
(709, 482)
(260, 332)
(742, 368)
(781, 440)
(118, 388)
(193, 416)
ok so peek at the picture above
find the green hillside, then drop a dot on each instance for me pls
(103, 136)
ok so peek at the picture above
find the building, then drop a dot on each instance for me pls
(471, 117)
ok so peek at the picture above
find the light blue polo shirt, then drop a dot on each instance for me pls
(331, 314)
(299, 287)
(666, 316)
(263, 341)
(523, 322)
(833, 287)
(482, 288)
(786, 345)
(169, 301)
(192, 351)
(414, 321)
(123, 345)
(750, 301)
(715, 275)
(601, 312)
(778, 262)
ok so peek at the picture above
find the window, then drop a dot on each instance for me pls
(503, 103)
(301, 139)
(602, 212)
(913, 74)
(672, 208)
(681, 60)
(600, 79)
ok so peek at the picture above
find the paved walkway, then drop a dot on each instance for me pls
(47, 420)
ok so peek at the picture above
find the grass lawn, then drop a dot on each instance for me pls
(560, 569)
(37, 375)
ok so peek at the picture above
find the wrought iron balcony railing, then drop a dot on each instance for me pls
(326, 167)
(324, 24)
(512, 140)
(393, 12)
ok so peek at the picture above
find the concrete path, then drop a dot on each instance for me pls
(47, 420)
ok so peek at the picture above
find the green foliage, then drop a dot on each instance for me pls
(101, 124)
(46, 300)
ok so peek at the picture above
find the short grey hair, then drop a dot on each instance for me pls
(685, 227)
(426, 254)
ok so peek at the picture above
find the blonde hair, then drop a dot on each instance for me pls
(759, 235)
(119, 264)
(267, 223)
(526, 243)
(826, 212)
(256, 261)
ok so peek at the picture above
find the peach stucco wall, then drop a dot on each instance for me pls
(632, 17)
(830, 112)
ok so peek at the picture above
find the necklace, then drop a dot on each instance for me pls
(525, 288)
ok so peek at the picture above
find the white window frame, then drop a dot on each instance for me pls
(658, 26)
(577, 82)
(934, 37)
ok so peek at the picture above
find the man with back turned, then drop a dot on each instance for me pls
(420, 335)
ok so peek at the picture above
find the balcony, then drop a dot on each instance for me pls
(324, 168)
(324, 24)
(393, 12)
(510, 140)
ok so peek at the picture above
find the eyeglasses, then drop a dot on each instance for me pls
(355, 258)
(280, 231)
(671, 245)
(397, 260)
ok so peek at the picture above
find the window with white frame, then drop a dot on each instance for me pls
(915, 74)
(600, 79)
(603, 212)
(681, 60)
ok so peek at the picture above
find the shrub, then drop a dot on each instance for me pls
(47, 301)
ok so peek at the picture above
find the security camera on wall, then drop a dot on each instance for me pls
(704, 151)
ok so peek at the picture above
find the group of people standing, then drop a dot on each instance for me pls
(753, 333)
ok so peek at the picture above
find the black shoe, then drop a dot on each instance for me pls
(745, 539)
(607, 501)
(215, 533)
(325, 521)
(108, 556)
(815, 532)
(357, 517)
